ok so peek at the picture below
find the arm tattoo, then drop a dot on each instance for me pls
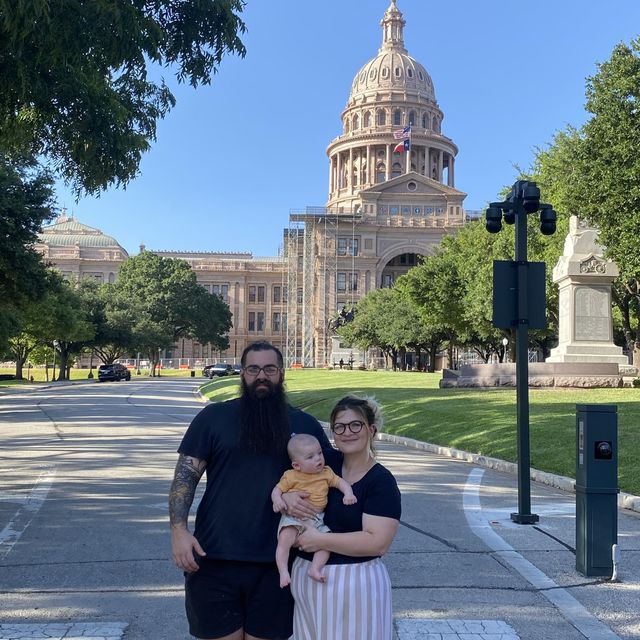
(183, 488)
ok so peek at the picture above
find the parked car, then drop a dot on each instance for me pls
(206, 370)
(220, 369)
(115, 371)
(236, 369)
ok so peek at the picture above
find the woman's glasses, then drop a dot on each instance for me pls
(254, 370)
(355, 426)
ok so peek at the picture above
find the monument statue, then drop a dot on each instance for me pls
(584, 277)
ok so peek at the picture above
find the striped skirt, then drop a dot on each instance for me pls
(353, 604)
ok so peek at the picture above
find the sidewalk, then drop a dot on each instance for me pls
(462, 570)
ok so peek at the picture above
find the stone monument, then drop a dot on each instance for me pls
(584, 277)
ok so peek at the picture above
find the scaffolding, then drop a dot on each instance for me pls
(312, 252)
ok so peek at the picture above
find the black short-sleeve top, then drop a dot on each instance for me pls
(378, 495)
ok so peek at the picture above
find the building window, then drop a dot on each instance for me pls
(382, 118)
(342, 282)
(367, 119)
(412, 117)
(252, 292)
(387, 281)
(221, 290)
(356, 122)
(261, 293)
(260, 321)
(285, 296)
(251, 326)
(347, 246)
(381, 172)
(353, 282)
(276, 322)
(299, 297)
(424, 121)
(277, 294)
(396, 170)
(397, 117)
(368, 244)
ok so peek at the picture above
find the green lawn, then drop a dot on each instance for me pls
(474, 420)
(38, 374)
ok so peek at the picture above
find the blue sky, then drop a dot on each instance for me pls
(232, 159)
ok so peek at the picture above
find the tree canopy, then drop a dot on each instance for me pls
(26, 200)
(168, 304)
(75, 77)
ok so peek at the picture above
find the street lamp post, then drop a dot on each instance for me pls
(519, 301)
(505, 344)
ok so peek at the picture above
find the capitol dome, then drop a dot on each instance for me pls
(391, 125)
(393, 68)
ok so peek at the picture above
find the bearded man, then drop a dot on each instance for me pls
(232, 589)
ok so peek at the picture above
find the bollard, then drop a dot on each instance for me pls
(596, 488)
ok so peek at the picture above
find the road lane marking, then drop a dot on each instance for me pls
(567, 605)
(27, 511)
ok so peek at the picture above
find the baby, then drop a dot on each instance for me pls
(309, 474)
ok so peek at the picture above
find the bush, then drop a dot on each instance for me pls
(636, 382)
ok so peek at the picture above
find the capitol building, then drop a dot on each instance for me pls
(391, 199)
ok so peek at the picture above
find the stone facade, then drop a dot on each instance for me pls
(385, 210)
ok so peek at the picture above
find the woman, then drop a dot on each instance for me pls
(354, 602)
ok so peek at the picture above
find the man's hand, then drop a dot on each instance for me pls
(183, 545)
(298, 506)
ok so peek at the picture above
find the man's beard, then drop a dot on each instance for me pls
(264, 417)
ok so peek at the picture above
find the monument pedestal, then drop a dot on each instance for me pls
(584, 277)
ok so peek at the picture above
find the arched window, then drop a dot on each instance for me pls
(363, 174)
(346, 125)
(356, 122)
(381, 172)
(398, 72)
(367, 119)
(424, 121)
(434, 124)
(397, 117)
(410, 73)
(385, 72)
(382, 117)
(412, 118)
(396, 170)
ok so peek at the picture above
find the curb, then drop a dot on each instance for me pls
(625, 500)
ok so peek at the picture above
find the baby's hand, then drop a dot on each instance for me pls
(349, 499)
(279, 505)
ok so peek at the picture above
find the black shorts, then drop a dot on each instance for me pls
(226, 595)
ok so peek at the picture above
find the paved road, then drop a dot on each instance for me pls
(84, 553)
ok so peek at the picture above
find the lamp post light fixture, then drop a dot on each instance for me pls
(505, 344)
(519, 301)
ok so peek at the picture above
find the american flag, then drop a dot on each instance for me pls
(402, 134)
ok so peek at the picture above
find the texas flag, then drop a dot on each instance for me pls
(405, 145)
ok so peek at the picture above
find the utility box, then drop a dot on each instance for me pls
(596, 488)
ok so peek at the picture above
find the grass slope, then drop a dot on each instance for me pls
(475, 420)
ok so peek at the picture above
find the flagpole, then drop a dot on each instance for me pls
(408, 157)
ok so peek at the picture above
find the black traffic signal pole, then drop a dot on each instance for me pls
(523, 200)
(524, 515)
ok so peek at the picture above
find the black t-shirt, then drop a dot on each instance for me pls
(378, 495)
(235, 519)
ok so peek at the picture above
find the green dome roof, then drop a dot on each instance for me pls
(68, 232)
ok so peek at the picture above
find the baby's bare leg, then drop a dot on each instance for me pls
(286, 538)
(317, 565)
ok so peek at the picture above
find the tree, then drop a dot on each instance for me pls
(169, 304)
(35, 323)
(75, 81)
(605, 188)
(26, 201)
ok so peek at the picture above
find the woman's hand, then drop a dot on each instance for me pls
(310, 540)
(297, 505)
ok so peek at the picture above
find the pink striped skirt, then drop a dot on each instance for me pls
(353, 604)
